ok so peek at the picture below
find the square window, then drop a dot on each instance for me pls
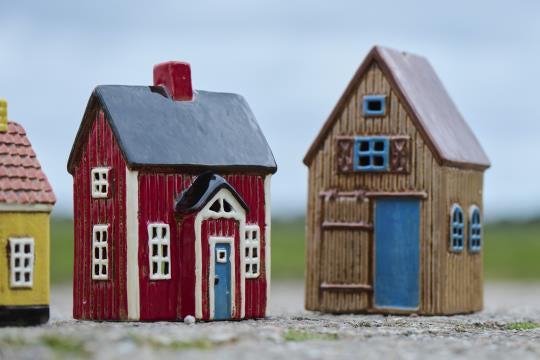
(221, 256)
(374, 105)
(371, 154)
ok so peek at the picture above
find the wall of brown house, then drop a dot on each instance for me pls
(330, 254)
(461, 274)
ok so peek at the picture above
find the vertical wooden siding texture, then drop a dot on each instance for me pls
(174, 298)
(462, 282)
(100, 299)
(328, 250)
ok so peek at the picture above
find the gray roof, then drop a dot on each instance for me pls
(425, 96)
(215, 131)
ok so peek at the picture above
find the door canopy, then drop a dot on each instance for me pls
(203, 190)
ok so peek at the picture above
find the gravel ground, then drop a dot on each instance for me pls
(508, 328)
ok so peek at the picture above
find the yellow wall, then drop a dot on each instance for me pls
(25, 224)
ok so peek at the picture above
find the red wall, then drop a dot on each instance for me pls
(175, 298)
(220, 227)
(98, 299)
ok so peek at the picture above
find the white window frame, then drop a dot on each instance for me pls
(220, 203)
(102, 180)
(21, 262)
(252, 244)
(101, 244)
(161, 242)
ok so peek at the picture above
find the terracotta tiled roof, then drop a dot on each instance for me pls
(21, 179)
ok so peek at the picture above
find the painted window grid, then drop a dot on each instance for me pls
(252, 254)
(371, 153)
(475, 230)
(21, 262)
(159, 251)
(457, 237)
(100, 182)
(374, 105)
(100, 252)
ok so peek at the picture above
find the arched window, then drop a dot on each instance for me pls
(457, 237)
(475, 229)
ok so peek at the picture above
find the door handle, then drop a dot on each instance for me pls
(216, 280)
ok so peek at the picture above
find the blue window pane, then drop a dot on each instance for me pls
(374, 105)
(371, 153)
(457, 237)
(475, 231)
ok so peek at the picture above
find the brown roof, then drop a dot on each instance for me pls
(435, 114)
(22, 181)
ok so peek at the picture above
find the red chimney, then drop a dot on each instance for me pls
(176, 77)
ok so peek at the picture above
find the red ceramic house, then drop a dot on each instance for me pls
(171, 204)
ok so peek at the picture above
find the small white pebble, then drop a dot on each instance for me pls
(190, 320)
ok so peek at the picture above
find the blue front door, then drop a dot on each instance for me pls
(397, 242)
(222, 281)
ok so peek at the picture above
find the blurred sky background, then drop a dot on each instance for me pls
(291, 61)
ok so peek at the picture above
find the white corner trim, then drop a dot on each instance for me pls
(26, 207)
(213, 240)
(238, 214)
(132, 244)
(267, 238)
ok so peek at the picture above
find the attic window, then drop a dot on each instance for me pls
(221, 206)
(374, 105)
(216, 206)
(100, 182)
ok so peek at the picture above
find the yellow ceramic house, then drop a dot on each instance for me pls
(26, 200)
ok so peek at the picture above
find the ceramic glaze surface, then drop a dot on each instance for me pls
(222, 281)
(397, 246)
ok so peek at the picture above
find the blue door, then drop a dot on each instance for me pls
(397, 243)
(222, 281)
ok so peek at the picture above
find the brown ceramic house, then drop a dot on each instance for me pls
(395, 196)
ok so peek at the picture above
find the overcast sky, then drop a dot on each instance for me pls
(290, 60)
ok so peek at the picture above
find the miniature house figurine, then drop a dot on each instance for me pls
(171, 202)
(26, 200)
(394, 222)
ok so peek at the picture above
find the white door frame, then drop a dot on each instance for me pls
(213, 240)
(238, 213)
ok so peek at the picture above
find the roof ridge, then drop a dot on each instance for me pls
(390, 67)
